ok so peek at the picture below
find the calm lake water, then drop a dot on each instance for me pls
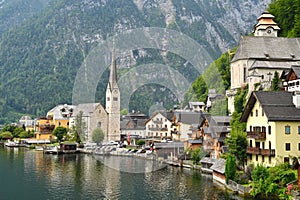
(28, 174)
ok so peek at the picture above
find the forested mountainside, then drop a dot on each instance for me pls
(43, 44)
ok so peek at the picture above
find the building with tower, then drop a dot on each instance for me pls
(113, 103)
(258, 57)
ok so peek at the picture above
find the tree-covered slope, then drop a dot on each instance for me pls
(39, 57)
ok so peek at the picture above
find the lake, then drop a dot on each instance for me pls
(30, 174)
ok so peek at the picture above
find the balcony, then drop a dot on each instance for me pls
(253, 150)
(257, 135)
(267, 152)
(258, 151)
(158, 129)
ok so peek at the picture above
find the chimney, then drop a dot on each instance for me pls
(296, 99)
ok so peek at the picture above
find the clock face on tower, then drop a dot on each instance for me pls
(269, 30)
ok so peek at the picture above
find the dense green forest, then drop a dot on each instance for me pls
(41, 51)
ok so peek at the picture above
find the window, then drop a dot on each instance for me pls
(115, 99)
(286, 159)
(298, 146)
(287, 129)
(298, 129)
(263, 158)
(99, 125)
(250, 156)
(59, 123)
(245, 74)
(262, 113)
(256, 158)
(269, 130)
(250, 128)
(287, 146)
(256, 113)
(262, 77)
(270, 159)
(250, 143)
(251, 114)
(108, 99)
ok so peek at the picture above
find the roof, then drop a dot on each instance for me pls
(219, 166)
(208, 160)
(295, 69)
(188, 117)
(278, 106)
(138, 124)
(273, 64)
(167, 114)
(196, 141)
(86, 108)
(263, 47)
(62, 111)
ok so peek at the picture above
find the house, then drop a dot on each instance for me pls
(159, 125)
(187, 124)
(291, 79)
(273, 127)
(27, 122)
(196, 106)
(218, 169)
(44, 128)
(61, 115)
(214, 131)
(133, 126)
(259, 56)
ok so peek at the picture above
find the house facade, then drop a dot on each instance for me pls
(133, 126)
(44, 128)
(159, 125)
(273, 127)
(214, 131)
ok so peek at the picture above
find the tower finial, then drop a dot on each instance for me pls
(113, 68)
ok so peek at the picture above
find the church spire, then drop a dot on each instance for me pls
(113, 71)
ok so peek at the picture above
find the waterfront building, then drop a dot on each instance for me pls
(133, 125)
(273, 127)
(258, 57)
(26, 122)
(159, 125)
(214, 131)
(44, 128)
(61, 115)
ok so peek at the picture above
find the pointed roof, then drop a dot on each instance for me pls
(278, 106)
(113, 72)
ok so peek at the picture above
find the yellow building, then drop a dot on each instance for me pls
(61, 115)
(273, 127)
(44, 128)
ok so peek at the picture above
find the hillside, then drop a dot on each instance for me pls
(40, 56)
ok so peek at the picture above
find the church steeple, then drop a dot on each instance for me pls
(266, 26)
(113, 102)
(113, 72)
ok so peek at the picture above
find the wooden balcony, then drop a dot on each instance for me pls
(267, 152)
(257, 135)
(158, 129)
(253, 150)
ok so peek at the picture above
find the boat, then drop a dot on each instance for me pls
(10, 143)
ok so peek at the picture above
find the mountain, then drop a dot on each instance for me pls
(41, 52)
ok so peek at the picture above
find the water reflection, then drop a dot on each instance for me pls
(78, 176)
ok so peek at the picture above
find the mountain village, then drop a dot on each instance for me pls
(272, 118)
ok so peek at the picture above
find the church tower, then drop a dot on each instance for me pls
(113, 103)
(266, 26)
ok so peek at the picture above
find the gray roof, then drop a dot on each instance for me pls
(277, 48)
(273, 64)
(208, 160)
(59, 111)
(188, 117)
(139, 124)
(278, 106)
(219, 166)
(86, 108)
(196, 141)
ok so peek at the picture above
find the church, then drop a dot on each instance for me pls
(94, 115)
(258, 57)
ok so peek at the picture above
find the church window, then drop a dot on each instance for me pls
(108, 99)
(245, 74)
(99, 125)
(115, 99)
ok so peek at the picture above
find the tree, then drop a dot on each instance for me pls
(98, 135)
(230, 168)
(124, 112)
(237, 145)
(197, 155)
(60, 132)
(6, 135)
(78, 130)
(275, 82)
